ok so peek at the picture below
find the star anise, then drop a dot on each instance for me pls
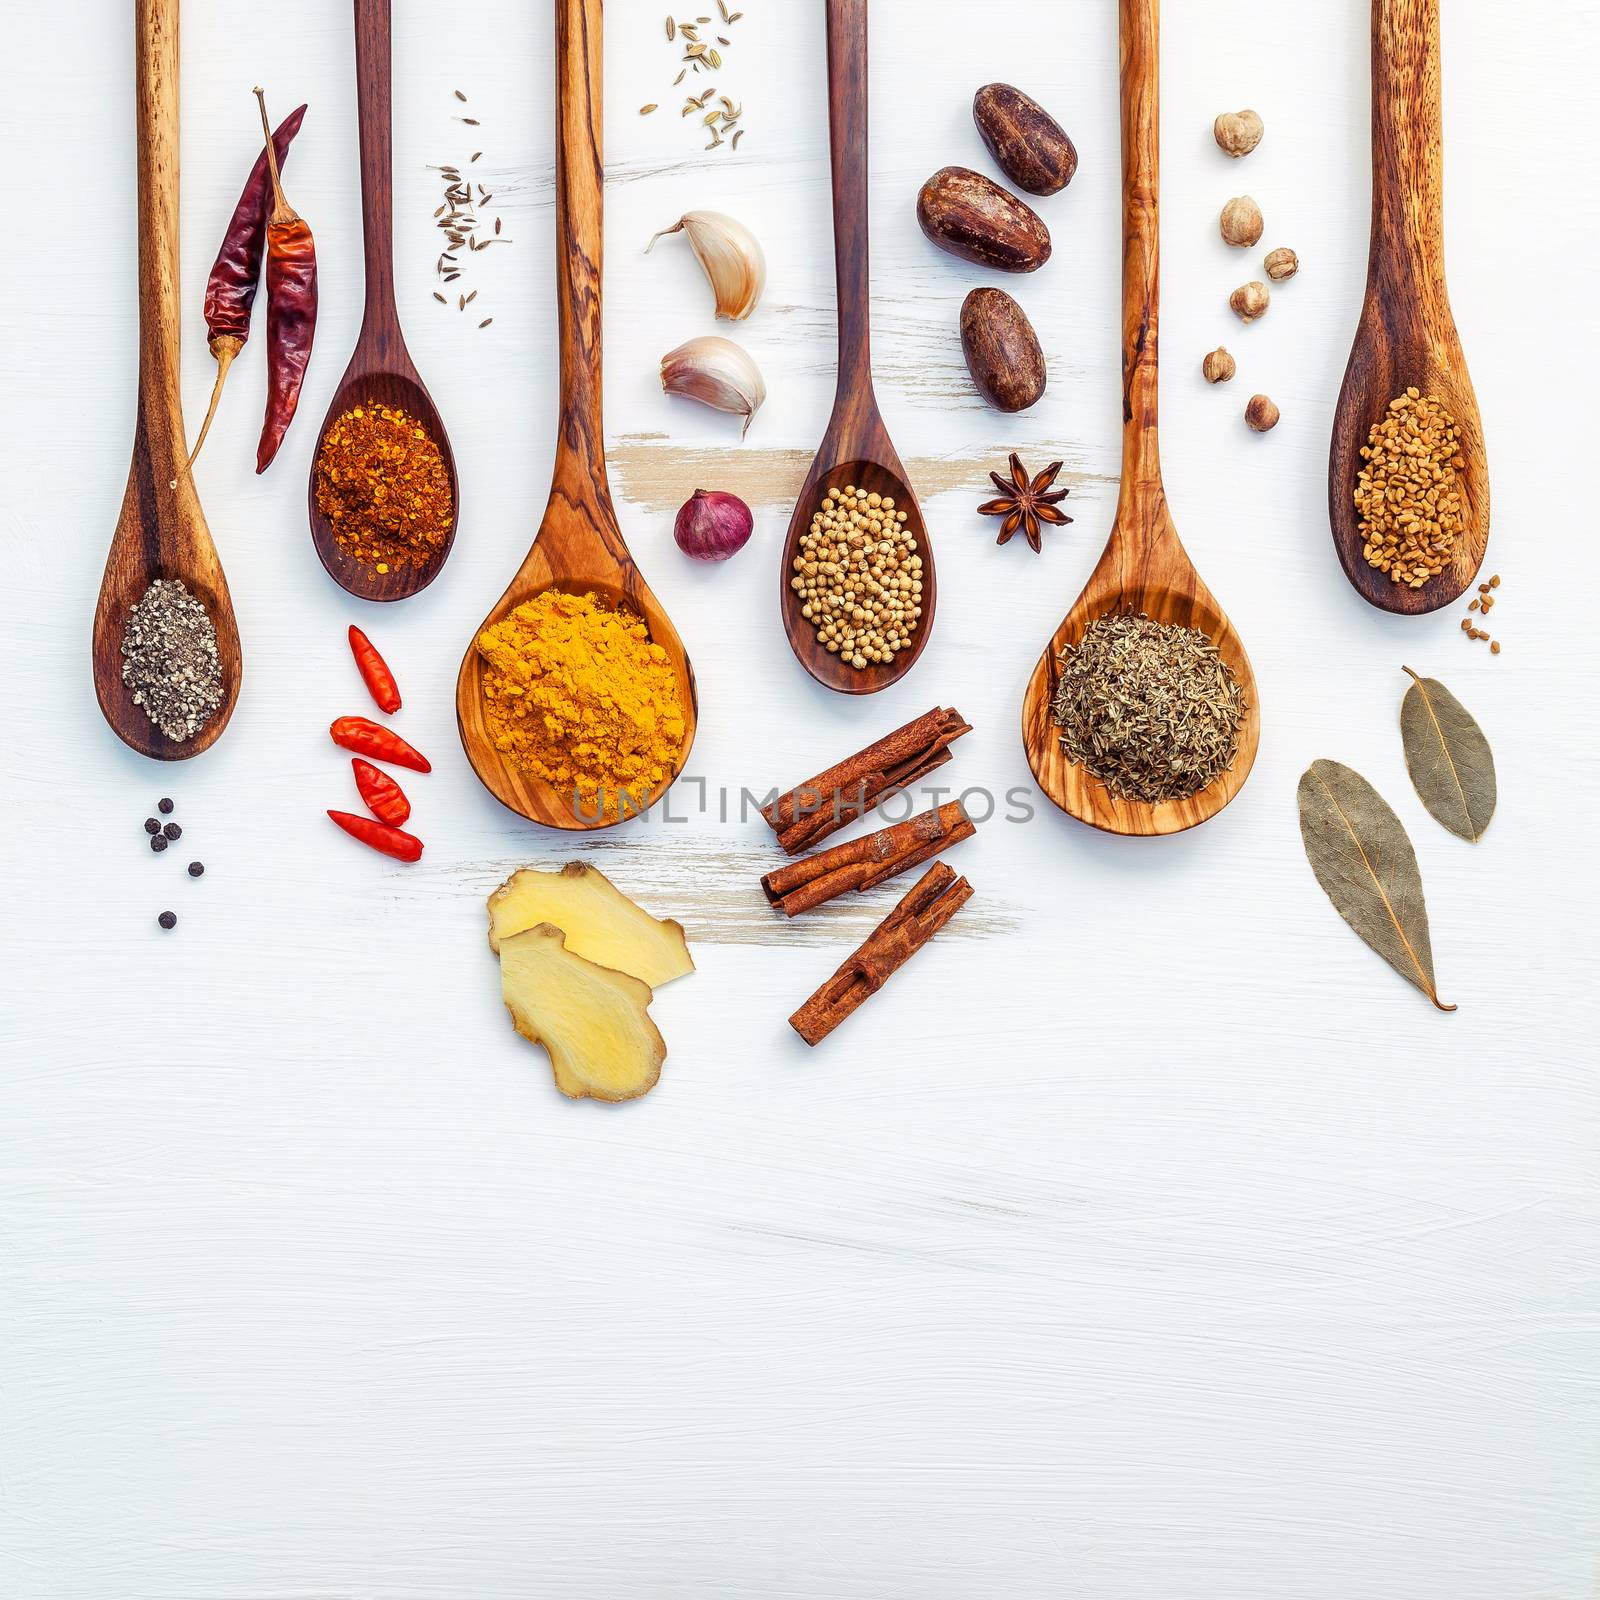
(1026, 502)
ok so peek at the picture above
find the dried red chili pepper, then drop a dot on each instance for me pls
(391, 841)
(291, 306)
(366, 738)
(385, 799)
(231, 288)
(375, 671)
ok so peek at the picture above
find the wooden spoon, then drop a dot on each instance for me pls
(1406, 337)
(1144, 567)
(856, 447)
(161, 531)
(381, 368)
(579, 545)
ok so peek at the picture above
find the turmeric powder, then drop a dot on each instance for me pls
(576, 693)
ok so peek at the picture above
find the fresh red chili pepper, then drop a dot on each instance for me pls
(385, 799)
(291, 306)
(375, 671)
(391, 841)
(366, 738)
(231, 288)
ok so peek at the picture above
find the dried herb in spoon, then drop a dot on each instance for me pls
(231, 288)
(1364, 861)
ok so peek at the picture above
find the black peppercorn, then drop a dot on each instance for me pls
(168, 919)
(196, 868)
(158, 842)
(173, 831)
(151, 825)
(164, 806)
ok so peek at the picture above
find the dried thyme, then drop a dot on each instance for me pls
(1150, 709)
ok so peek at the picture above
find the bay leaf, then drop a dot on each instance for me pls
(1449, 759)
(1363, 859)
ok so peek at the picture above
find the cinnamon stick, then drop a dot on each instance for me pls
(852, 787)
(927, 907)
(862, 863)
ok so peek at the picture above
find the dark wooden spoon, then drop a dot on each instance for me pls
(856, 447)
(1407, 336)
(1144, 567)
(161, 531)
(579, 545)
(381, 369)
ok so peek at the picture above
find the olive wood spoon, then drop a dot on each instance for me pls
(1144, 568)
(381, 368)
(161, 531)
(579, 545)
(1406, 337)
(856, 447)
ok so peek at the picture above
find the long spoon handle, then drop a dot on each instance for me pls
(374, 117)
(160, 405)
(1141, 238)
(580, 188)
(1407, 141)
(847, 131)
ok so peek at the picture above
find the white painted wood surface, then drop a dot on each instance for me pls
(1147, 1239)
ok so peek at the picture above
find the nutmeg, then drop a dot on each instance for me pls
(1219, 366)
(974, 218)
(1261, 414)
(1238, 132)
(1027, 143)
(1282, 263)
(1002, 350)
(1241, 222)
(1250, 301)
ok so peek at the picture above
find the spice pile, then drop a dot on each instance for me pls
(162, 836)
(577, 695)
(1149, 708)
(170, 661)
(1484, 604)
(859, 577)
(705, 55)
(1406, 492)
(460, 219)
(382, 484)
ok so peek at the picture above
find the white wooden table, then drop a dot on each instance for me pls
(1147, 1239)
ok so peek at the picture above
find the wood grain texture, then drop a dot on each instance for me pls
(381, 370)
(1144, 567)
(161, 531)
(1406, 336)
(579, 545)
(856, 448)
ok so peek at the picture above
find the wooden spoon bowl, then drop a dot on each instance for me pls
(161, 531)
(383, 377)
(825, 666)
(1406, 336)
(381, 368)
(579, 546)
(856, 448)
(1144, 568)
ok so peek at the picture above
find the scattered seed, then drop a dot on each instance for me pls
(196, 869)
(461, 97)
(1494, 647)
(475, 154)
(497, 224)
(736, 138)
(672, 29)
(168, 919)
(644, 111)
(164, 806)
(463, 304)
(439, 297)
(158, 842)
(151, 825)
(471, 122)
(468, 299)
(486, 321)
(681, 76)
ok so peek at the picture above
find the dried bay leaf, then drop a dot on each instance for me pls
(1364, 861)
(1449, 759)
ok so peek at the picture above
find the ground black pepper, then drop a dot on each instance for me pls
(170, 660)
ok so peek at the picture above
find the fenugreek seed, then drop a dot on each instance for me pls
(1494, 582)
(1494, 647)
(1474, 606)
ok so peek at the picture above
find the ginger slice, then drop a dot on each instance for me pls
(593, 1022)
(601, 923)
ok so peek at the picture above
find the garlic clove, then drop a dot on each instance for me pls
(717, 373)
(731, 257)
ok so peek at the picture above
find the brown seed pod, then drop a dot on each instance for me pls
(1002, 350)
(965, 213)
(1027, 143)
